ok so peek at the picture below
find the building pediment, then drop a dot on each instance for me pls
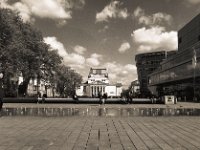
(98, 83)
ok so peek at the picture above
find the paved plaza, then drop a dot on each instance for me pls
(98, 133)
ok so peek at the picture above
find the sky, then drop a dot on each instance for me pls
(107, 33)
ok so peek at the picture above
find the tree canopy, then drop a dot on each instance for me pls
(23, 50)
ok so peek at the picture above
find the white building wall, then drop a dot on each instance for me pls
(111, 90)
(79, 91)
(119, 91)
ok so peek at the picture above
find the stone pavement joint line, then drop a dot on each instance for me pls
(99, 133)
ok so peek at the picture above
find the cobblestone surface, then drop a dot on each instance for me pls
(99, 133)
(92, 133)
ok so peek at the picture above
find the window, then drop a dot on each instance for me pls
(35, 88)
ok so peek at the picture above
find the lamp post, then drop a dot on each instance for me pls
(1, 90)
(194, 63)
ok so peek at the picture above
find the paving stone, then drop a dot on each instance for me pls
(99, 133)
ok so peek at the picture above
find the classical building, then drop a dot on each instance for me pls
(98, 82)
(147, 63)
(180, 74)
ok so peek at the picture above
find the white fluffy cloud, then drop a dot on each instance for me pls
(112, 10)
(154, 19)
(121, 73)
(72, 59)
(47, 9)
(124, 47)
(80, 49)
(75, 59)
(24, 11)
(154, 39)
(59, 10)
(118, 73)
(94, 60)
(56, 45)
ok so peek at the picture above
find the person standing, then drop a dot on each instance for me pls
(105, 96)
(100, 97)
(1, 97)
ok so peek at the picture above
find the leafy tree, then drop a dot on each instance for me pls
(22, 49)
(67, 80)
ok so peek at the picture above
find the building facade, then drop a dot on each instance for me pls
(38, 88)
(98, 82)
(189, 35)
(147, 63)
(135, 88)
(180, 74)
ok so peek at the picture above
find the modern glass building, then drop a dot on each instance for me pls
(180, 74)
(147, 63)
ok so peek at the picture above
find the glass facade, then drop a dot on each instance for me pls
(178, 67)
(189, 34)
(146, 63)
(180, 74)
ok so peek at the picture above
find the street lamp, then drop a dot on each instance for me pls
(1, 90)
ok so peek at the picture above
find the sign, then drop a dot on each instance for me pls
(169, 99)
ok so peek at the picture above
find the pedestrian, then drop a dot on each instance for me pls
(127, 97)
(100, 97)
(105, 96)
(130, 97)
(43, 97)
(1, 104)
(1, 99)
(75, 97)
(38, 97)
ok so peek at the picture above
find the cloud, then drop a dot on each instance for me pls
(119, 73)
(95, 55)
(69, 4)
(112, 10)
(59, 10)
(24, 11)
(75, 59)
(47, 9)
(154, 19)
(154, 39)
(56, 45)
(194, 2)
(94, 60)
(80, 49)
(124, 47)
(138, 12)
(105, 28)
(72, 59)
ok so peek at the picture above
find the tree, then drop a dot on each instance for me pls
(22, 49)
(67, 80)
